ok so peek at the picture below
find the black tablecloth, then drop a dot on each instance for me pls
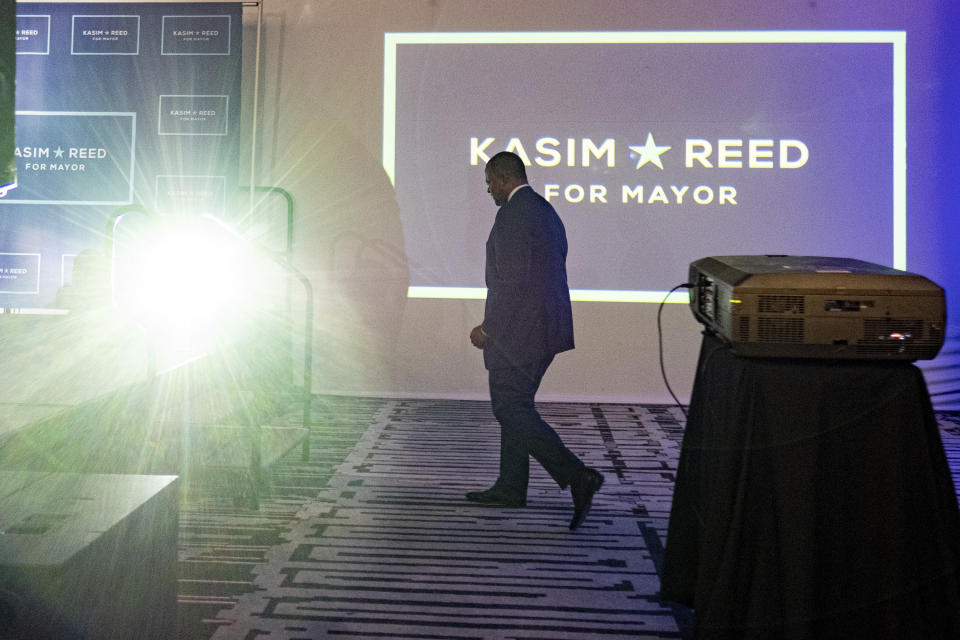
(813, 500)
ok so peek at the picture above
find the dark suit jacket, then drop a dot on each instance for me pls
(528, 315)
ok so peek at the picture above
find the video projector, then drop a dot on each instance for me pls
(812, 307)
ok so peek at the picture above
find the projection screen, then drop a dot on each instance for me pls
(656, 148)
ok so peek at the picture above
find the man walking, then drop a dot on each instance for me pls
(527, 321)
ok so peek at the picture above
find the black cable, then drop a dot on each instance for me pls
(663, 370)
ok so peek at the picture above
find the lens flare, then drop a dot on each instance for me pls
(190, 282)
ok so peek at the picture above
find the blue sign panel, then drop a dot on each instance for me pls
(106, 35)
(33, 34)
(196, 35)
(194, 115)
(20, 273)
(74, 158)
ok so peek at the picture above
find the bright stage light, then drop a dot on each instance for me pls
(191, 282)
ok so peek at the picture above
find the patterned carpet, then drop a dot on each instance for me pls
(371, 538)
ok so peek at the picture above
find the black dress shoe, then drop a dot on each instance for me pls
(497, 497)
(582, 488)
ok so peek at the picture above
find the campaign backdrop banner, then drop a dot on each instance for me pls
(117, 105)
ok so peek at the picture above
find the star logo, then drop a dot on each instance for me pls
(649, 152)
(58, 152)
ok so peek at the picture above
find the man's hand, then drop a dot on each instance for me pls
(477, 337)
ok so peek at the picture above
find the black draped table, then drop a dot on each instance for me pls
(813, 501)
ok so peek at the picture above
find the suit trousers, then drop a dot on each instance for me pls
(523, 433)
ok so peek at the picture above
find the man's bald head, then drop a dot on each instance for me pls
(504, 173)
(508, 165)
